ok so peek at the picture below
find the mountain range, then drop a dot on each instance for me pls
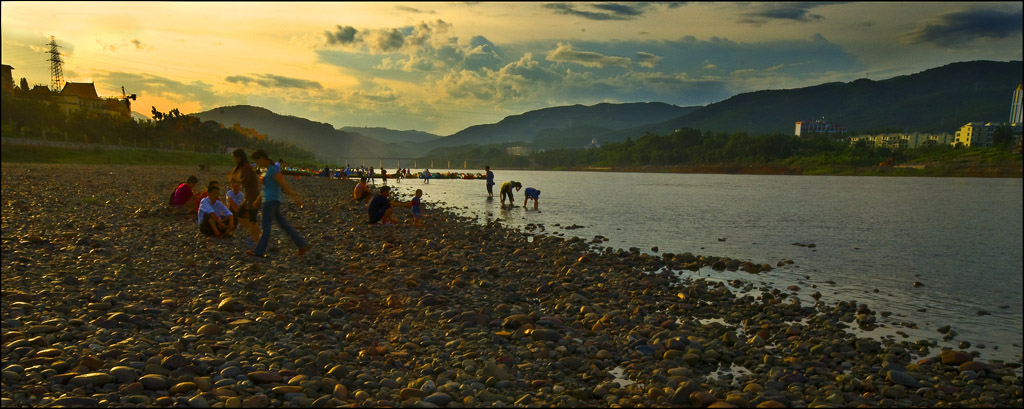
(935, 100)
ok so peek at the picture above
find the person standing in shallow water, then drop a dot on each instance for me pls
(490, 182)
(273, 184)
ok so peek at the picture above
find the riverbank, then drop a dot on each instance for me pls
(1002, 170)
(454, 314)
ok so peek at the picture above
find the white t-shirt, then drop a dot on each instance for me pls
(206, 207)
(237, 198)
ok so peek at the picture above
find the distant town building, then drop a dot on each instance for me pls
(805, 128)
(82, 96)
(1015, 107)
(8, 78)
(519, 150)
(980, 133)
(904, 140)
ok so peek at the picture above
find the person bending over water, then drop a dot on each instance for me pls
(506, 191)
(531, 193)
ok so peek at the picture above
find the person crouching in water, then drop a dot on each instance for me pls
(214, 217)
(506, 191)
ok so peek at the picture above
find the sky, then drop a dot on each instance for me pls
(442, 67)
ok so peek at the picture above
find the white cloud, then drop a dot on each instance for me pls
(564, 52)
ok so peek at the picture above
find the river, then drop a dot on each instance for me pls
(867, 239)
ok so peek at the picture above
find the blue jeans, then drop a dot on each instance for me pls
(271, 212)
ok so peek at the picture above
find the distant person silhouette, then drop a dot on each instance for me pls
(490, 182)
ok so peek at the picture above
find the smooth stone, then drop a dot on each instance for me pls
(153, 381)
(902, 378)
(281, 390)
(92, 379)
(318, 316)
(204, 383)
(174, 362)
(198, 401)
(438, 398)
(209, 329)
(264, 377)
(340, 391)
(134, 388)
(124, 374)
(227, 305)
(183, 387)
(411, 393)
(231, 372)
(972, 366)
(950, 357)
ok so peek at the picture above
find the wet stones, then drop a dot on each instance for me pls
(431, 319)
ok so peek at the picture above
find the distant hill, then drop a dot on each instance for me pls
(936, 100)
(328, 143)
(565, 126)
(392, 136)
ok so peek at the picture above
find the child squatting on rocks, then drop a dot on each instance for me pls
(213, 216)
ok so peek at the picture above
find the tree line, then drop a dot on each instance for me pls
(44, 119)
(692, 147)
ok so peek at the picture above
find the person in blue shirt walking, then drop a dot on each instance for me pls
(490, 181)
(273, 184)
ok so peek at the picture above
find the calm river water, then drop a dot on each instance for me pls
(873, 237)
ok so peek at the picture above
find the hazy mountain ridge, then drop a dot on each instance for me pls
(938, 100)
(390, 135)
(323, 139)
(564, 121)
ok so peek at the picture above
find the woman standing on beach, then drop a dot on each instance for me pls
(273, 185)
(245, 175)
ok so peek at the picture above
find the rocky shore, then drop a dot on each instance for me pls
(110, 301)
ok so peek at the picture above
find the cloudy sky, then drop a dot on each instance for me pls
(441, 67)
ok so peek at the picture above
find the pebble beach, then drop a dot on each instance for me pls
(109, 300)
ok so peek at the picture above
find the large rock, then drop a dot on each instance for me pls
(92, 379)
(902, 378)
(950, 357)
(439, 398)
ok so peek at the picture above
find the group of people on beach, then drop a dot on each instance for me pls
(219, 217)
(506, 191)
(242, 202)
